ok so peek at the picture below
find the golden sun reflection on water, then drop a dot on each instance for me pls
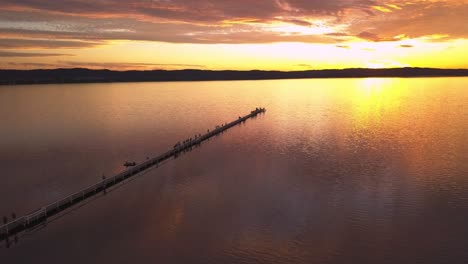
(375, 99)
(417, 125)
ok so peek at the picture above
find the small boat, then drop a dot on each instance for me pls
(129, 164)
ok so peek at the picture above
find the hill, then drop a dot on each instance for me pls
(79, 75)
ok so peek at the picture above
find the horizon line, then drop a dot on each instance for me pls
(231, 70)
(84, 75)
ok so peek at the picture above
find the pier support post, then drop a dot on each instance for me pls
(104, 183)
(5, 221)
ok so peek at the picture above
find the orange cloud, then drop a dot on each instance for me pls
(33, 26)
(182, 21)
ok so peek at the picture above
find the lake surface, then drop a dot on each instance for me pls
(336, 171)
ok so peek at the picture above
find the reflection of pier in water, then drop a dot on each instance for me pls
(40, 216)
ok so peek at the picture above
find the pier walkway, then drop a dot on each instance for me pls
(39, 216)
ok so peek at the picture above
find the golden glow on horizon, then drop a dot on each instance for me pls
(286, 56)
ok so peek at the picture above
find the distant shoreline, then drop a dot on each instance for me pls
(79, 75)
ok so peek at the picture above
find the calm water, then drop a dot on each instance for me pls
(336, 171)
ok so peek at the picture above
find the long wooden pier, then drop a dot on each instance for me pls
(39, 216)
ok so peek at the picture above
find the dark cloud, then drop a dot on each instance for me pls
(120, 65)
(188, 10)
(30, 54)
(376, 38)
(327, 7)
(65, 6)
(297, 22)
(28, 65)
(305, 66)
(99, 65)
(406, 46)
(338, 34)
(16, 43)
(368, 36)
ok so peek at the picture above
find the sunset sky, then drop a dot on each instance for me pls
(233, 34)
